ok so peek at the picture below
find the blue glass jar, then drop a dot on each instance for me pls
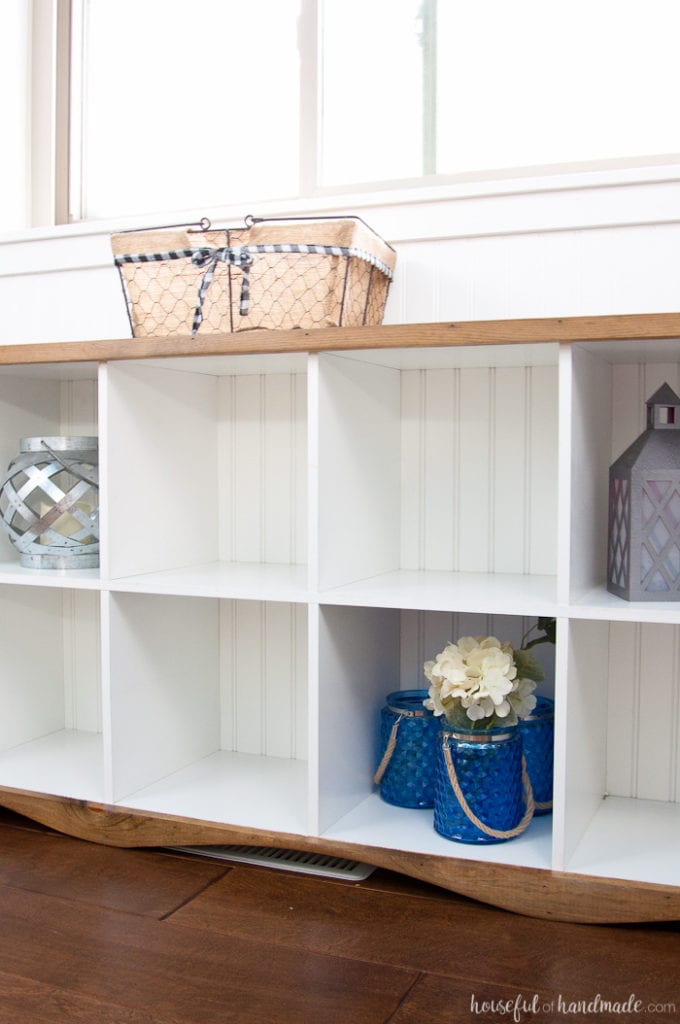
(481, 792)
(538, 733)
(408, 743)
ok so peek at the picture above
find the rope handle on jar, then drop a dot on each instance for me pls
(469, 813)
(389, 750)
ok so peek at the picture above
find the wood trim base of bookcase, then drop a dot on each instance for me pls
(534, 892)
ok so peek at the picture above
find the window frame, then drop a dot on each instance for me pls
(56, 186)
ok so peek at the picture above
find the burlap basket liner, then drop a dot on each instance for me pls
(282, 289)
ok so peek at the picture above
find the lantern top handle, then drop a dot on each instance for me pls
(663, 409)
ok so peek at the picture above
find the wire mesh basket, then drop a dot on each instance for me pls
(275, 274)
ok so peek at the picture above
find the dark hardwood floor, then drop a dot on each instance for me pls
(98, 935)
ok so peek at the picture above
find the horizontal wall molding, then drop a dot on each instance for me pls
(423, 215)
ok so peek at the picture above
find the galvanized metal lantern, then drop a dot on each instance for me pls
(643, 557)
(49, 502)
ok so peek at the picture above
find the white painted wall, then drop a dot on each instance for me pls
(598, 242)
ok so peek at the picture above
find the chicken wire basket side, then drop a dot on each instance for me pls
(270, 275)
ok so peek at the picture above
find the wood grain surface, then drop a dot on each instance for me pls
(232, 944)
(536, 893)
(644, 326)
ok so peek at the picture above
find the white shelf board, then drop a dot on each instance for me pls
(631, 839)
(492, 593)
(377, 823)
(254, 581)
(457, 356)
(236, 364)
(51, 371)
(65, 763)
(598, 603)
(646, 350)
(68, 579)
(237, 789)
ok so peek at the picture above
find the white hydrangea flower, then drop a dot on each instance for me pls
(476, 678)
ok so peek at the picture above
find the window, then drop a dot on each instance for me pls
(14, 114)
(544, 83)
(186, 104)
(192, 105)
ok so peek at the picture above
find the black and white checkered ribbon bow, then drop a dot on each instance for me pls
(209, 258)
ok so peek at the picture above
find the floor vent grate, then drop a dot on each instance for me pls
(285, 860)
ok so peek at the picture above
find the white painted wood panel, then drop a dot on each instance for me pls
(164, 672)
(643, 711)
(263, 661)
(582, 748)
(82, 660)
(262, 461)
(160, 440)
(478, 456)
(359, 659)
(358, 473)
(28, 406)
(591, 421)
(32, 659)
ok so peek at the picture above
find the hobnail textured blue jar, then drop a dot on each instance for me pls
(487, 767)
(408, 744)
(538, 733)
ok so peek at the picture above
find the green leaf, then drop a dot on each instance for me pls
(528, 666)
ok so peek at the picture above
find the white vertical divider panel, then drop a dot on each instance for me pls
(105, 602)
(561, 750)
(590, 458)
(32, 677)
(564, 473)
(82, 659)
(312, 477)
(161, 462)
(28, 406)
(359, 659)
(359, 470)
(316, 671)
(164, 657)
(582, 725)
(263, 678)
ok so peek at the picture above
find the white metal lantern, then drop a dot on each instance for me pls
(643, 560)
(49, 502)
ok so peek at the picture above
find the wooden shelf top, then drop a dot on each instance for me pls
(627, 327)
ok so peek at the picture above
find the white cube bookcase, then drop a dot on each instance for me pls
(286, 536)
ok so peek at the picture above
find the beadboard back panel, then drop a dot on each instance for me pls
(425, 634)
(28, 406)
(643, 699)
(479, 481)
(263, 678)
(262, 455)
(632, 385)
